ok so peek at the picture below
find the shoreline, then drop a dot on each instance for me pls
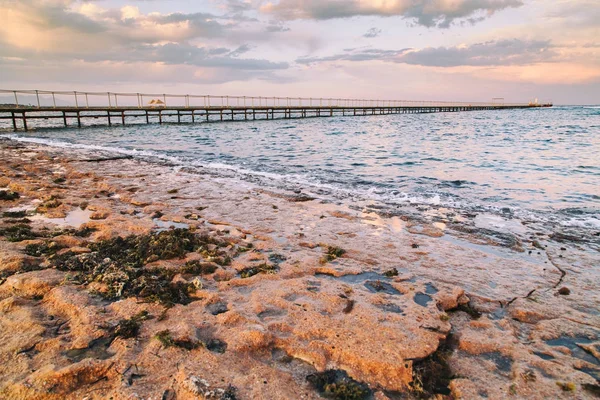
(506, 329)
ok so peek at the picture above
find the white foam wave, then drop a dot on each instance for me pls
(92, 147)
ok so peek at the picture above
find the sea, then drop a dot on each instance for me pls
(533, 165)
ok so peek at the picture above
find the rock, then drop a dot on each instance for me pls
(564, 291)
(32, 284)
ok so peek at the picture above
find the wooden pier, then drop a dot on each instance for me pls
(79, 109)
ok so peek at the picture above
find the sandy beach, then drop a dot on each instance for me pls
(126, 279)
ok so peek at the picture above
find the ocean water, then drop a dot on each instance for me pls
(536, 163)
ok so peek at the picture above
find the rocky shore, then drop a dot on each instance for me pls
(125, 279)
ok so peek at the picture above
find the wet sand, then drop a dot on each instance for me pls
(230, 291)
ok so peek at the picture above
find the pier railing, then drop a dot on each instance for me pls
(42, 99)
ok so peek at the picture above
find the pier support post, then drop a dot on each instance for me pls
(123, 117)
(147, 118)
(65, 118)
(108, 115)
(178, 117)
(14, 121)
(193, 120)
(24, 122)
(78, 120)
(232, 116)
(160, 117)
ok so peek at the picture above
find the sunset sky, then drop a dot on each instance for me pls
(394, 49)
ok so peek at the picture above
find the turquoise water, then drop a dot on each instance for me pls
(538, 162)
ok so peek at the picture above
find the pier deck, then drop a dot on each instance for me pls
(54, 107)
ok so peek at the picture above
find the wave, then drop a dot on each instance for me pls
(80, 146)
(358, 191)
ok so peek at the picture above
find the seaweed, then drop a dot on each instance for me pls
(229, 393)
(263, 268)
(432, 375)
(118, 264)
(337, 385)
(51, 202)
(165, 338)
(135, 251)
(42, 249)
(14, 214)
(130, 328)
(331, 253)
(197, 267)
(8, 195)
(277, 258)
(18, 233)
(86, 231)
(469, 309)
(391, 273)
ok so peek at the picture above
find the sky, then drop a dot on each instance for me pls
(461, 50)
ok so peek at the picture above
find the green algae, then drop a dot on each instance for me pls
(18, 233)
(432, 375)
(197, 267)
(118, 264)
(391, 273)
(263, 268)
(337, 385)
(332, 253)
(130, 328)
(167, 340)
(14, 214)
(8, 195)
(42, 249)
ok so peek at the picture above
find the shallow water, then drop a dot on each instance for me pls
(541, 163)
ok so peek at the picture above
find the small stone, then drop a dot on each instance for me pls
(565, 291)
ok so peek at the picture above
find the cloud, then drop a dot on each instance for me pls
(429, 13)
(372, 33)
(276, 26)
(492, 53)
(363, 54)
(63, 30)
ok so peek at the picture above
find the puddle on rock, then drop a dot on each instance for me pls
(166, 225)
(216, 346)
(217, 308)
(430, 289)
(572, 344)
(96, 349)
(74, 218)
(544, 356)
(381, 287)
(503, 363)
(593, 372)
(271, 313)
(358, 278)
(390, 307)
(422, 299)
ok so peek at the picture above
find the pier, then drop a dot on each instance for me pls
(53, 109)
